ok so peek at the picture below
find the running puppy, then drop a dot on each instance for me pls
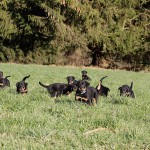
(84, 75)
(22, 86)
(127, 91)
(85, 93)
(4, 82)
(102, 90)
(58, 89)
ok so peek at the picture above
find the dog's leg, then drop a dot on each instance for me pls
(90, 102)
(77, 98)
(84, 99)
(94, 101)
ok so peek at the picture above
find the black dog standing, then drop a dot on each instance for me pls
(85, 93)
(127, 91)
(58, 89)
(84, 75)
(102, 90)
(22, 86)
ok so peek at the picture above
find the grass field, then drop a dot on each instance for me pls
(37, 121)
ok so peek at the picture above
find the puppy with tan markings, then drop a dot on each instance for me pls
(85, 93)
(4, 82)
(102, 90)
(58, 89)
(22, 86)
(127, 91)
(70, 79)
(85, 76)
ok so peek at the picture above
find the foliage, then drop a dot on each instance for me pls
(87, 32)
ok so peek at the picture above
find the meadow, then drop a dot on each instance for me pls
(37, 121)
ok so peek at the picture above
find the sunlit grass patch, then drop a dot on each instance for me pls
(37, 121)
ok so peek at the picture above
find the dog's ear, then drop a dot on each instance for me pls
(78, 82)
(17, 84)
(87, 83)
(67, 78)
(26, 84)
(73, 77)
(119, 88)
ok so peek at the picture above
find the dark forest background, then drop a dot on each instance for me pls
(105, 33)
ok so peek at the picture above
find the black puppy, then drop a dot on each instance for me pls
(85, 93)
(4, 82)
(125, 90)
(70, 79)
(58, 89)
(22, 86)
(102, 90)
(84, 75)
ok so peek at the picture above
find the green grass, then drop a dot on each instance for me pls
(37, 121)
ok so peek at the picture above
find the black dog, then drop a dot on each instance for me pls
(85, 93)
(22, 86)
(58, 89)
(85, 76)
(70, 79)
(125, 90)
(102, 90)
(4, 82)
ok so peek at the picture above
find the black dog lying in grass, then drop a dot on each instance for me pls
(85, 93)
(58, 89)
(4, 81)
(127, 91)
(22, 86)
(102, 90)
(85, 76)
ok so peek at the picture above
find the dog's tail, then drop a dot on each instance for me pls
(25, 78)
(7, 77)
(131, 85)
(100, 83)
(45, 86)
(102, 79)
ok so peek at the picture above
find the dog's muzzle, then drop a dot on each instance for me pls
(23, 90)
(82, 90)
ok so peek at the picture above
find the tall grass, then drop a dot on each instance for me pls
(37, 121)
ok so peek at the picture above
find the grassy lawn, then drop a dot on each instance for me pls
(37, 121)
